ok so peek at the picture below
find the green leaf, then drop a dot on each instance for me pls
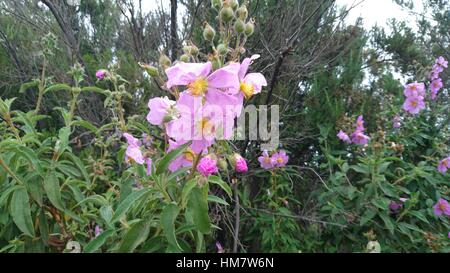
(165, 161)
(20, 211)
(168, 217)
(24, 87)
(85, 124)
(93, 89)
(186, 190)
(367, 216)
(63, 140)
(135, 236)
(199, 206)
(388, 222)
(212, 198)
(53, 190)
(218, 181)
(126, 204)
(100, 240)
(58, 87)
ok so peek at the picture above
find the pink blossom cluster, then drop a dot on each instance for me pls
(436, 82)
(357, 137)
(415, 92)
(206, 110)
(276, 160)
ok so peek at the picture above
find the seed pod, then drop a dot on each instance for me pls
(164, 61)
(222, 49)
(185, 58)
(222, 164)
(242, 13)
(151, 70)
(239, 26)
(234, 4)
(209, 33)
(226, 14)
(216, 4)
(187, 49)
(194, 50)
(249, 29)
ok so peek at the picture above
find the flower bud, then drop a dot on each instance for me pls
(164, 61)
(216, 4)
(151, 70)
(242, 13)
(226, 14)
(185, 58)
(209, 33)
(187, 49)
(222, 49)
(249, 29)
(239, 26)
(194, 50)
(222, 164)
(234, 4)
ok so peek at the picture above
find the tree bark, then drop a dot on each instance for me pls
(173, 29)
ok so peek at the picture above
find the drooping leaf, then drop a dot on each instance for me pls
(21, 212)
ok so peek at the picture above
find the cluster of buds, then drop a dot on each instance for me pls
(233, 19)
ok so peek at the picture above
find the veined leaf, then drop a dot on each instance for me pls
(53, 190)
(20, 211)
(100, 240)
(199, 206)
(126, 204)
(168, 217)
(135, 236)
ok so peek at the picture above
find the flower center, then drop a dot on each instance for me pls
(207, 127)
(414, 103)
(248, 89)
(442, 207)
(267, 160)
(198, 87)
(280, 160)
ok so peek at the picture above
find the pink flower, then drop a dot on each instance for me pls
(159, 108)
(133, 151)
(184, 160)
(444, 164)
(266, 161)
(360, 138)
(414, 105)
(241, 164)
(396, 122)
(414, 89)
(198, 80)
(442, 207)
(98, 230)
(219, 248)
(394, 206)
(252, 83)
(100, 74)
(280, 158)
(207, 166)
(435, 86)
(360, 124)
(442, 62)
(344, 137)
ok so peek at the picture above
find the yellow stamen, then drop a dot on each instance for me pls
(207, 127)
(414, 103)
(198, 87)
(248, 89)
(280, 160)
(267, 160)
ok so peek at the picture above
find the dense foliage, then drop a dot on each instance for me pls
(92, 158)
